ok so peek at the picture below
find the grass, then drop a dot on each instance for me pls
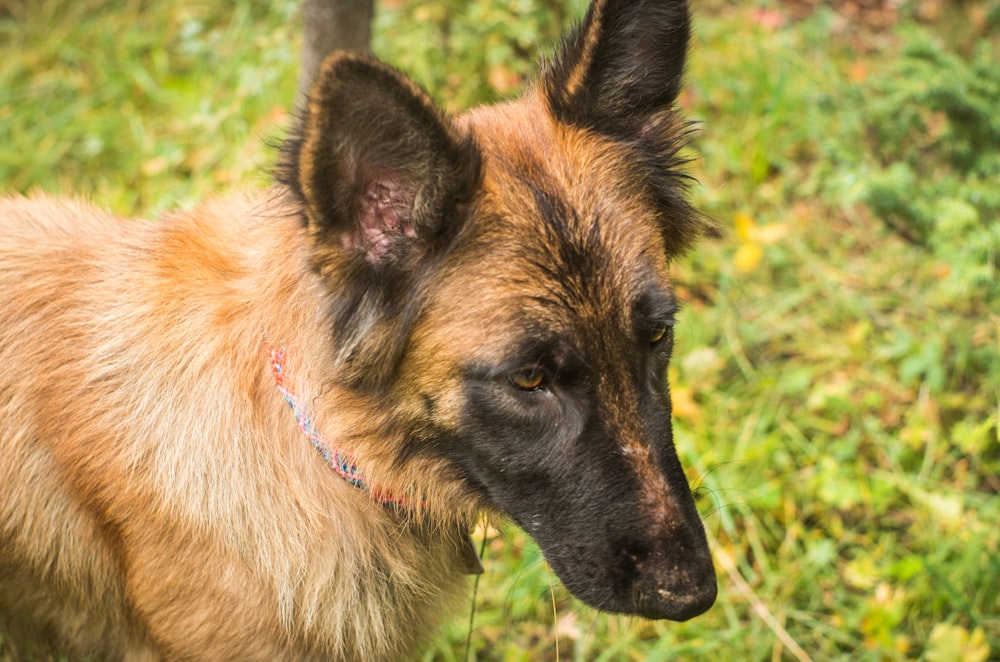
(836, 394)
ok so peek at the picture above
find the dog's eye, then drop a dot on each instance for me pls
(529, 379)
(660, 331)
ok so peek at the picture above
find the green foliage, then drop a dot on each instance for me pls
(935, 134)
(127, 103)
(467, 53)
(836, 388)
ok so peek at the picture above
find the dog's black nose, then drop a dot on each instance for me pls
(675, 588)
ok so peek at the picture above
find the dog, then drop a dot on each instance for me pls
(263, 429)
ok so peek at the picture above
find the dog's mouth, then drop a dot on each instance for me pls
(674, 579)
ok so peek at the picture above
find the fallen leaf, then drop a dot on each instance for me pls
(683, 404)
(744, 225)
(748, 257)
(953, 642)
(859, 72)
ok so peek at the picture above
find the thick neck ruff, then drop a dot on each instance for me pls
(338, 460)
(468, 559)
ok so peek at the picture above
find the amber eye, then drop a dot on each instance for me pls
(530, 379)
(659, 333)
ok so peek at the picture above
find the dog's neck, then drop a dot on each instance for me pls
(338, 460)
(346, 468)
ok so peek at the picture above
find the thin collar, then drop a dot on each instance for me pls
(338, 460)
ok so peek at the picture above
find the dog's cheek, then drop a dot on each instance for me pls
(546, 463)
(500, 441)
(615, 524)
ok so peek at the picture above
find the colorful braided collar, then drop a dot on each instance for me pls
(337, 460)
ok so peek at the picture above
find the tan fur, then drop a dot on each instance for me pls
(576, 75)
(138, 491)
(113, 493)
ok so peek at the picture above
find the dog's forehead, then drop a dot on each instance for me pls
(560, 208)
(559, 245)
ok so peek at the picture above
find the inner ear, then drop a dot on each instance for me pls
(377, 166)
(385, 202)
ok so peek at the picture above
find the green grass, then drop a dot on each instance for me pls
(837, 391)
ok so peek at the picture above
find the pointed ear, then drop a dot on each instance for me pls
(619, 74)
(377, 166)
(622, 65)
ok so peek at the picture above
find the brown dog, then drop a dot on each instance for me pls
(263, 429)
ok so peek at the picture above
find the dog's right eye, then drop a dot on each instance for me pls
(529, 379)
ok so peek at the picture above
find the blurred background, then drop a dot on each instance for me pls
(836, 381)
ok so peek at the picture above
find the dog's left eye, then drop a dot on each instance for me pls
(660, 331)
(529, 379)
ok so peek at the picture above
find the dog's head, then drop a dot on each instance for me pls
(500, 283)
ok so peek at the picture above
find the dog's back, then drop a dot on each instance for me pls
(53, 560)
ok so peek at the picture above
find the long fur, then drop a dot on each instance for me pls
(99, 328)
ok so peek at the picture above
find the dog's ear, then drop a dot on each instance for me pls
(384, 179)
(619, 74)
(378, 167)
(623, 65)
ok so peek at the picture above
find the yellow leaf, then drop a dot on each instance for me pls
(947, 509)
(953, 642)
(861, 573)
(859, 72)
(748, 257)
(745, 226)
